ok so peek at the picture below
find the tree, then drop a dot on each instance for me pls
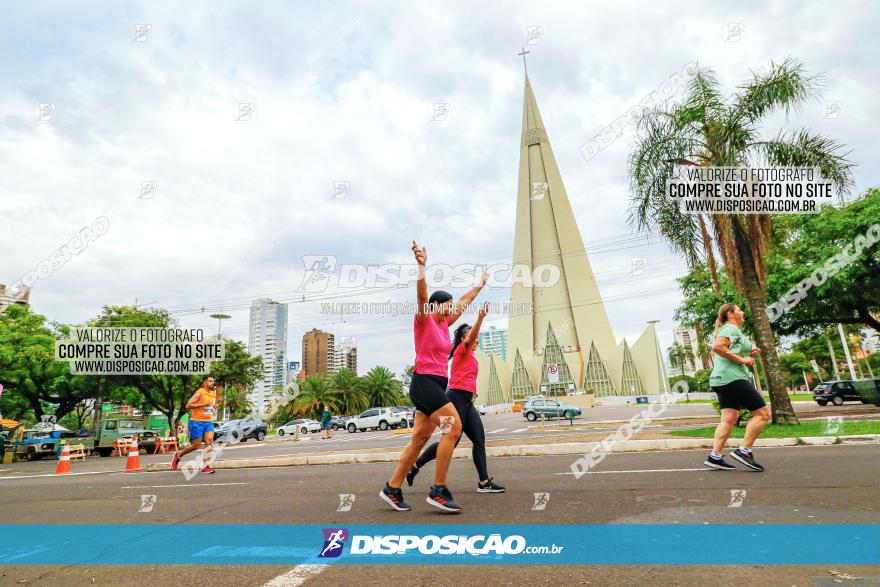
(313, 394)
(350, 395)
(680, 356)
(808, 242)
(793, 366)
(33, 380)
(235, 375)
(382, 388)
(708, 129)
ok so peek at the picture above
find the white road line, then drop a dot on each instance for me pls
(10, 477)
(519, 430)
(296, 576)
(181, 485)
(497, 431)
(636, 471)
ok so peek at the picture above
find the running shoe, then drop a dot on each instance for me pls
(394, 498)
(441, 498)
(489, 487)
(747, 459)
(411, 476)
(208, 470)
(718, 464)
(175, 460)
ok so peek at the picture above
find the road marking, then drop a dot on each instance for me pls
(9, 477)
(181, 485)
(636, 471)
(519, 430)
(296, 576)
(497, 431)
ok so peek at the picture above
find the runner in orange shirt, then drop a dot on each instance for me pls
(201, 424)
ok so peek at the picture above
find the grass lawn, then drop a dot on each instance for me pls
(814, 428)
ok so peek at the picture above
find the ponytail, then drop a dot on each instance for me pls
(721, 320)
(458, 338)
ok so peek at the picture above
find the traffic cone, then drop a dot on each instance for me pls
(134, 457)
(63, 467)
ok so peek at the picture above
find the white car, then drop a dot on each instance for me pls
(377, 419)
(482, 409)
(305, 426)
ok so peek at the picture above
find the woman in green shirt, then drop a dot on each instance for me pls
(326, 417)
(734, 355)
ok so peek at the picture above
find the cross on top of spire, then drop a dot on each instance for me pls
(523, 53)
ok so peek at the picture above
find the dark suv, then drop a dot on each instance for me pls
(837, 392)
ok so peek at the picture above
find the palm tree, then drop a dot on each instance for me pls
(351, 398)
(236, 401)
(680, 356)
(382, 388)
(708, 129)
(314, 393)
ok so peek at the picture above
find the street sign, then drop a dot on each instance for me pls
(552, 373)
(815, 365)
(106, 407)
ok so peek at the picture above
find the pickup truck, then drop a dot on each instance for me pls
(33, 445)
(114, 428)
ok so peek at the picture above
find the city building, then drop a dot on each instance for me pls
(687, 337)
(267, 338)
(493, 341)
(345, 355)
(9, 297)
(559, 336)
(318, 352)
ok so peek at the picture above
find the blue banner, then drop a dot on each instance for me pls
(568, 544)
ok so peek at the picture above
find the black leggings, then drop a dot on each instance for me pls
(471, 426)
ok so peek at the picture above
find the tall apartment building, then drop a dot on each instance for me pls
(9, 297)
(268, 339)
(687, 337)
(493, 342)
(345, 355)
(318, 352)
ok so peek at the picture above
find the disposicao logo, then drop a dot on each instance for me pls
(334, 541)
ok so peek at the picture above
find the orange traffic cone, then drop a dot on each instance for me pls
(63, 467)
(134, 457)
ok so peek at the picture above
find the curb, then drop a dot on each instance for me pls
(570, 448)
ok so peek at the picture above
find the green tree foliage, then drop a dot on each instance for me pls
(808, 242)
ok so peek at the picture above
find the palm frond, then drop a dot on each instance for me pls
(802, 149)
(784, 86)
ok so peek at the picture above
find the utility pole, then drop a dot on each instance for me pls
(833, 358)
(849, 363)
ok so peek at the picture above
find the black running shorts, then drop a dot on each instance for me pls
(739, 394)
(428, 393)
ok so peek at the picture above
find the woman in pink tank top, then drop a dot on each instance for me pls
(427, 389)
(462, 392)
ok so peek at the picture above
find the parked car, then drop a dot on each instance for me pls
(337, 422)
(408, 411)
(837, 392)
(482, 409)
(377, 419)
(239, 430)
(304, 425)
(550, 408)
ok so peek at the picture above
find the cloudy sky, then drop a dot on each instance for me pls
(133, 111)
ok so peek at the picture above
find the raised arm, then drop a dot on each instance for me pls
(474, 332)
(466, 299)
(421, 254)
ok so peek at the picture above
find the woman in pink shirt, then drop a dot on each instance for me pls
(462, 392)
(427, 390)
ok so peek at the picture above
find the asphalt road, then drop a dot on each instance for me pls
(498, 427)
(805, 485)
